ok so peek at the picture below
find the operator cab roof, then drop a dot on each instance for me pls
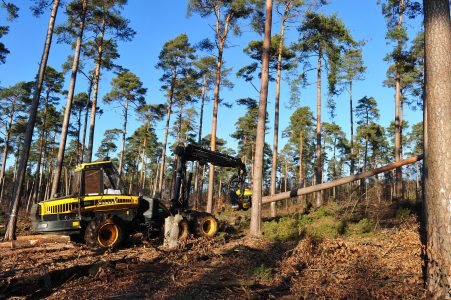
(92, 164)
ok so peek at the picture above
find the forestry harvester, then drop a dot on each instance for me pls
(100, 211)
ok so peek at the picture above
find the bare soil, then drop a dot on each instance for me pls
(385, 265)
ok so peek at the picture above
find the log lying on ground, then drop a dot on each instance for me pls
(341, 181)
(35, 240)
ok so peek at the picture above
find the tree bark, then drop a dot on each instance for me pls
(42, 145)
(301, 150)
(70, 98)
(341, 181)
(398, 113)
(10, 233)
(5, 150)
(199, 137)
(255, 226)
(318, 165)
(351, 113)
(124, 134)
(165, 142)
(221, 34)
(96, 92)
(85, 126)
(438, 153)
(211, 174)
(276, 111)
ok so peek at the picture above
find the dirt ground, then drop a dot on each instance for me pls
(386, 265)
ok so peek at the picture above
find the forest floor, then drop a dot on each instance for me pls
(301, 256)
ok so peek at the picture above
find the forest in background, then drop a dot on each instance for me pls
(190, 78)
(44, 139)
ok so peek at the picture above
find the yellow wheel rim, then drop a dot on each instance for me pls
(108, 235)
(209, 227)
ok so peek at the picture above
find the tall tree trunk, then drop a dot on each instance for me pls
(70, 98)
(165, 142)
(142, 177)
(85, 126)
(256, 213)
(301, 149)
(318, 166)
(276, 110)
(438, 153)
(77, 150)
(351, 113)
(10, 233)
(96, 92)
(398, 112)
(42, 135)
(5, 151)
(124, 135)
(285, 179)
(365, 155)
(211, 175)
(199, 137)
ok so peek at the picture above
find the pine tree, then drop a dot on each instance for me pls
(227, 14)
(76, 12)
(395, 12)
(12, 13)
(108, 27)
(10, 233)
(127, 90)
(13, 102)
(175, 61)
(258, 169)
(300, 133)
(366, 112)
(325, 37)
(351, 69)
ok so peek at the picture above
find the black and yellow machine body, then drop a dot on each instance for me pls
(100, 211)
(98, 208)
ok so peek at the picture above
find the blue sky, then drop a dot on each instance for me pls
(159, 21)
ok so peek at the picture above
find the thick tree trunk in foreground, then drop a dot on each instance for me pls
(438, 152)
(10, 233)
(256, 213)
(341, 181)
(70, 97)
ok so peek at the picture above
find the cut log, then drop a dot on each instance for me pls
(341, 181)
(35, 240)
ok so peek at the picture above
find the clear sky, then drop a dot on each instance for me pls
(159, 21)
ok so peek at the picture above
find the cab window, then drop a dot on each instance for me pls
(92, 182)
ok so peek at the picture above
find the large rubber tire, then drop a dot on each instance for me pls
(207, 226)
(104, 234)
(183, 230)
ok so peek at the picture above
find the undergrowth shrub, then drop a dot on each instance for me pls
(285, 229)
(262, 272)
(363, 227)
(326, 227)
(403, 214)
